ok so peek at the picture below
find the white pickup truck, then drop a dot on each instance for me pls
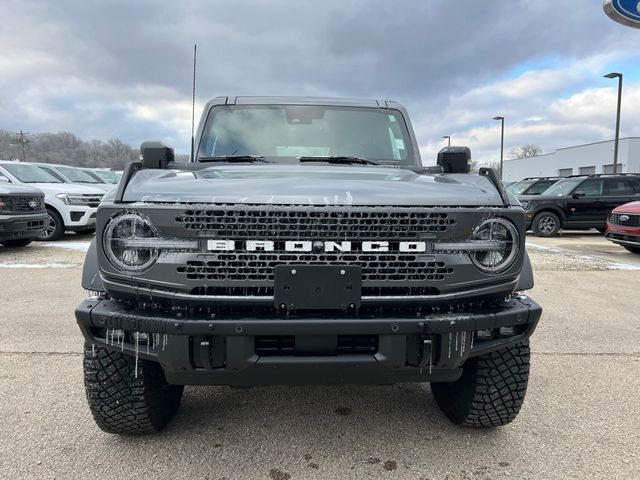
(70, 207)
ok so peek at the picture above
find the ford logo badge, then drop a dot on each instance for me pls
(626, 12)
(33, 204)
(624, 218)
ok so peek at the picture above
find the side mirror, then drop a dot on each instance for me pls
(455, 159)
(577, 194)
(4, 179)
(154, 154)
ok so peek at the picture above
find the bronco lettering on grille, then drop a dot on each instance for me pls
(314, 246)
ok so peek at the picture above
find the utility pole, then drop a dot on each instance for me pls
(615, 145)
(501, 143)
(21, 142)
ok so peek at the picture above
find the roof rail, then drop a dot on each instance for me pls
(631, 174)
(550, 177)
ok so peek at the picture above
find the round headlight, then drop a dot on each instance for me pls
(504, 243)
(128, 242)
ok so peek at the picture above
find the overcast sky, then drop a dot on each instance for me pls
(104, 69)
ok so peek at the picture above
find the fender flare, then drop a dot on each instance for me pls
(91, 279)
(525, 281)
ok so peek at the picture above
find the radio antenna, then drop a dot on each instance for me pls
(193, 102)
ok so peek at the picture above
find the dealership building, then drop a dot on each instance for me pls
(579, 160)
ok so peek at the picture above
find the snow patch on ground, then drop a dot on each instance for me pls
(80, 246)
(37, 265)
(567, 253)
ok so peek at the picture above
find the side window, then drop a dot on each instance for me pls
(540, 187)
(619, 186)
(591, 188)
(52, 172)
(636, 184)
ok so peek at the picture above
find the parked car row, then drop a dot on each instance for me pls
(58, 198)
(609, 203)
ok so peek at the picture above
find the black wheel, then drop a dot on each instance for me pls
(546, 224)
(53, 226)
(490, 391)
(632, 249)
(123, 403)
(22, 242)
(602, 230)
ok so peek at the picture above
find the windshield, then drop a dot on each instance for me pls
(291, 131)
(562, 187)
(76, 175)
(29, 173)
(107, 176)
(95, 176)
(519, 187)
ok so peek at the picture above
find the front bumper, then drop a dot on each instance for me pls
(14, 227)
(219, 350)
(629, 236)
(78, 217)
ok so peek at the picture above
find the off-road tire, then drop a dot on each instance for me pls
(20, 242)
(632, 249)
(490, 391)
(120, 402)
(546, 224)
(54, 227)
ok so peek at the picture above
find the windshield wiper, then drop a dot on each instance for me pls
(338, 159)
(234, 158)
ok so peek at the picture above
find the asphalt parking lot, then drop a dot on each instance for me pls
(580, 418)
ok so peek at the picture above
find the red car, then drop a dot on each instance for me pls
(623, 226)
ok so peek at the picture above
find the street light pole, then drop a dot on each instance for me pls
(617, 140)
(501, 143)
(448, 138)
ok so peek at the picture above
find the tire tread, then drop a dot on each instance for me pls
(491, 390)
(120, 402)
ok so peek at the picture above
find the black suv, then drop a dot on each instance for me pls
(579, 202)
(22, 214)
(532, 185)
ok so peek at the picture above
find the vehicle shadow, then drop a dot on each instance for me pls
(366, 416)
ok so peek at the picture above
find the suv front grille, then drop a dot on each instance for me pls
(311, 222)
(23, 204)
(633, 220)
(259, 266)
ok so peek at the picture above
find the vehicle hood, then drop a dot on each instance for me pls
(310, 185)
(633, 207)
(13, 189)
(104, 187)
(73, 188)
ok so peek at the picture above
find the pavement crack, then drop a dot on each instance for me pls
(41, 353)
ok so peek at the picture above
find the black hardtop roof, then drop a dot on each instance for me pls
(295, 100)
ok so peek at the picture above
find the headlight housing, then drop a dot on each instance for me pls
(504, 235)
(129, 242)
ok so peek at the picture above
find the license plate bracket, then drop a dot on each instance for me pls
(317, 287)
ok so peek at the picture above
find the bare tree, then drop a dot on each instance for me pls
(66, 148)
(526, 151)
(476, 166)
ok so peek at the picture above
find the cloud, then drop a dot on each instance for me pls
(122, 68)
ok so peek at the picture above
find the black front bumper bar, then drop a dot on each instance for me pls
(221, 351)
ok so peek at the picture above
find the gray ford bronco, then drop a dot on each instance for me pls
(305, 243)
